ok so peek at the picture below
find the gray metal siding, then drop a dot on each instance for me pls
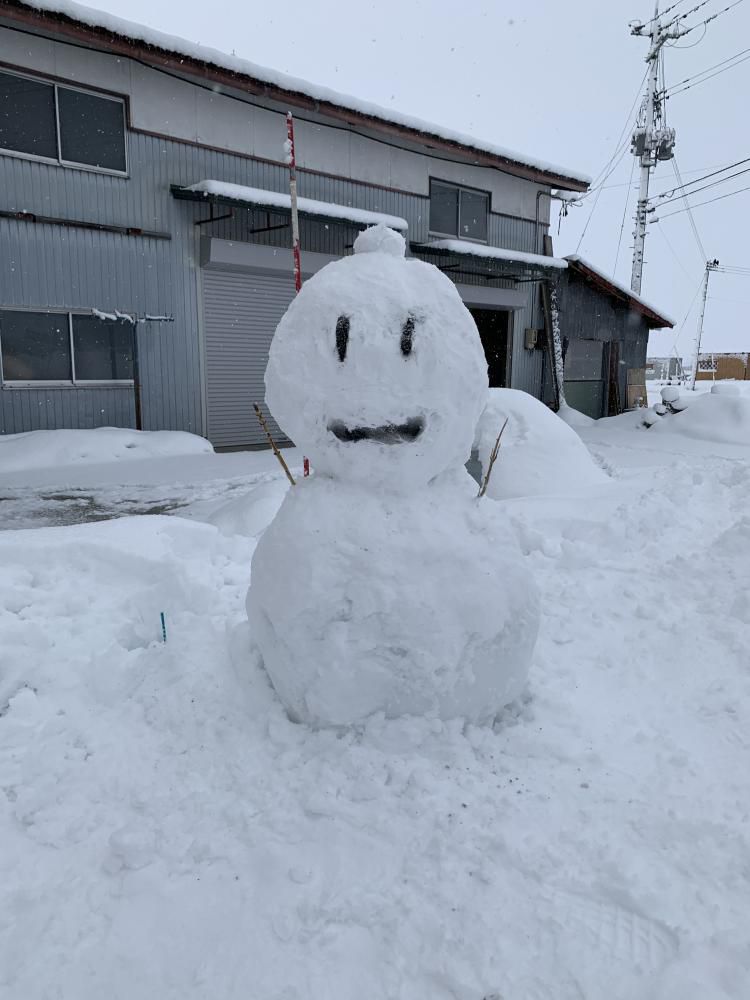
(241, 312)
(47, 265)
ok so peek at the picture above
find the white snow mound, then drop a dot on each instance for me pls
(720, 417)
(363, 602)
(51, 449)
(539, 453)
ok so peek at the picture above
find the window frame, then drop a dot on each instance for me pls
(73, 382)
(457, 235)
(59, 161)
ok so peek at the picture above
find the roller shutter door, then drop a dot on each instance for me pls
(241, 311)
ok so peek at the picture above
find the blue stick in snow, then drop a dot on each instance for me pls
(163, 627)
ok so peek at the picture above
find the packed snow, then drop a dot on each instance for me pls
(52, 449)
(308, 206)
(204, 54)
(539, 453)
(168, 832)
(466, 248)
(408, 597)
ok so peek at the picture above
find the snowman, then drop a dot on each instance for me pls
(383, 585)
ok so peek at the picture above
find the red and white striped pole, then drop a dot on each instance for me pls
(295, 223)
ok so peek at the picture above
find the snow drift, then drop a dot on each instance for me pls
(50, 449)
(539, 453)
(723, 417)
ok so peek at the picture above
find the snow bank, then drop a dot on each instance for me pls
(573, 417)
(721, 417)
(250, 515)
(539, 453)
(50, 449)
(166, 832)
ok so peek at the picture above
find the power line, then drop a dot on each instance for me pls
(624, 213)
(708, 20)
(706, 187)
(694, 79)
(709, 201)
(662, 13)
(669, 193)
(693, 226)
(674, 253)
(620, 146)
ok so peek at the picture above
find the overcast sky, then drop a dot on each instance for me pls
(542, 77)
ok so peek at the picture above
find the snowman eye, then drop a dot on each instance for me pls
(342, 336)
(407, 333)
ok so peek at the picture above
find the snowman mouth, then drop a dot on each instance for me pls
(384, 434)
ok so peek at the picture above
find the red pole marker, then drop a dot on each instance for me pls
(291, 158)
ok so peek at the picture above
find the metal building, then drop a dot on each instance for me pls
(144, 223)
(604, 329)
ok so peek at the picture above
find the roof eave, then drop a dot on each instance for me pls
(656, 320)
(126, 46)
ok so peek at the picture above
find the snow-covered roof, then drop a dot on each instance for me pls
(288, 88)
(464, 248)
(658, 318)
(306, 206)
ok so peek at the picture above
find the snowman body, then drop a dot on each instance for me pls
(383, 585)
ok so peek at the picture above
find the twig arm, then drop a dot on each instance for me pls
(277, 453)
(493, 456)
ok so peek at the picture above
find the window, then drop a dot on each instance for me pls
(103, 349)
(457, 211)
(64, 347)
(61, 123)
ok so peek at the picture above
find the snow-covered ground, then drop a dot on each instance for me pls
(167, 832)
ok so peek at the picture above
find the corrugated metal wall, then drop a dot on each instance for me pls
(47, 265)
(588, 313)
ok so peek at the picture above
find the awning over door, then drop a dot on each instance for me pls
(222, 193)
(480, 260)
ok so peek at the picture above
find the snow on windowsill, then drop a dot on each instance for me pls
(308, 206)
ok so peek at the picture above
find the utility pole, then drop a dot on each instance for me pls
(711, 265)
(652, 139)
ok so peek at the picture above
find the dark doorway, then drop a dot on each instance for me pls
(493, 326)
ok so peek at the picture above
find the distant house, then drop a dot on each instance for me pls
(145, 222)
(664, 368)
(723, 366)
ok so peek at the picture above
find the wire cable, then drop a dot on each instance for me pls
(694, 79)
(708, 20)
(720, 170)
(620, 146)
(709, 201)
(706, 187)
(624, 213)
(672, 250)
(701, 249)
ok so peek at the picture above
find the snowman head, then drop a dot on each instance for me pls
(376, 370)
